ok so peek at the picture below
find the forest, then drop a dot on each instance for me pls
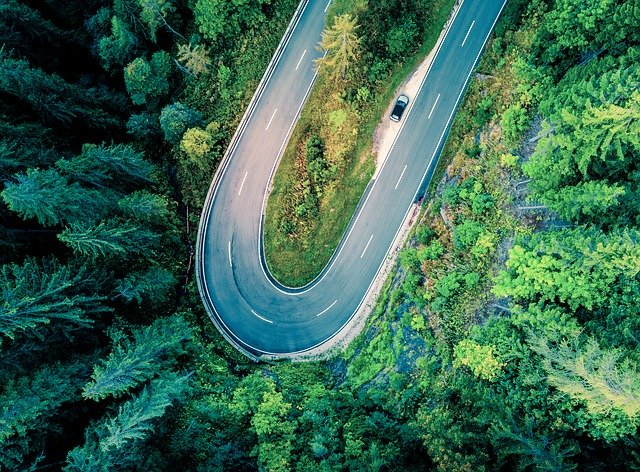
(505, 339)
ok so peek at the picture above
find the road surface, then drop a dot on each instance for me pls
(254, 312)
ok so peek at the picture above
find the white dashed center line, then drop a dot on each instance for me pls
(365, 248)
(271, 119)
(242, 184)
(262, 317)
(230, 263)
(465, 38)
(300, 60)
(327, 309)
(434, 106)
(396, 187)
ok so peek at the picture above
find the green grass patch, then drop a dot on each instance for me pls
(298, 248)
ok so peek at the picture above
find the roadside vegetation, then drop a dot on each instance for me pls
(329, 161)
(505, 340)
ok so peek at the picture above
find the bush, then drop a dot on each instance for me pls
(466, 234)
(514, 123)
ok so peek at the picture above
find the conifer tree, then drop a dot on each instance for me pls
(579, 266)
(152, 285)
(110, 444)
(36, 294)
(56, 101)
(104, 166)
(341, 45)
(120, 47)
(146, 207)
(27, 404)
(51, 199)
(139, 358)
(602, 379)
(109, 238)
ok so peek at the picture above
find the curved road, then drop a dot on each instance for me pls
(252, 311)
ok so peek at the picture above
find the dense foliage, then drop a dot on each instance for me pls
(506, 339)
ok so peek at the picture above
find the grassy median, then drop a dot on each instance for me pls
(312, 201)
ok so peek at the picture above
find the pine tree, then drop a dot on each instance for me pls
(109, 238)
(36, 294)
(27, 404)
(580, 266)
(589, 201)
(153, 285)
(56, 101)
(195, 59)
(133, 361)
(602, 379)
(51, 199)
(110, 444)
(108, 166)
(146, 207)
(535, 452)
(24, 145)
(341, 45)
(120, 47)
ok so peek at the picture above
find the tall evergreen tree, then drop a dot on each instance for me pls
(104, 166)
(109, 238)
(36, 294)
(110, 444)
(601, 379)
(580, 267)
(51, 199)
(56, 101)
(341, 45)
(133, 361)
(27, 404)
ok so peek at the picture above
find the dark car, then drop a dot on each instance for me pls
(398, 110)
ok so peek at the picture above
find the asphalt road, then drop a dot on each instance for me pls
(255, 313)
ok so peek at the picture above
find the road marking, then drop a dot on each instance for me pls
(242, 184)
(434, 106)
(396, 187)
(262, 317)
(327, 7)
(465, 38)
(271, 119)
(327, 309)
(299, 61)
(230, 263)
(365, 248)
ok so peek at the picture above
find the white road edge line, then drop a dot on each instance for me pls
(327, 309)
(403, 170)
(230, 263)
(327, 7)
(300, 60)
(271, 119)
(242, 184)
(262, 317)
(465, 38)
(366, 247)
(434, 106)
